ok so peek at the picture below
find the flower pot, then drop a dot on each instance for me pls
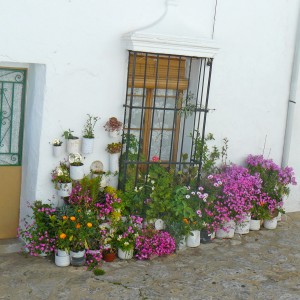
(114, 162)
(76, 172)
(205, 237)
(109, 257)
(77, 258)
(87, 145)
(64, 189)
(159, 224)
(57, 151)
(62, 261)
(73, 145)
(182, 243)
(227, 231)
(114, 134)
(279, 217)
(125, 254)
(270, 224)
(62, 252)
(193, 239)
(254, 224)
(243, 227)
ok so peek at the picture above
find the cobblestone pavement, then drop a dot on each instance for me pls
(260, 265)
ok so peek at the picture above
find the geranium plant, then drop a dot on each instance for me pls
(114, 148)
(61, 174)
(113, 124)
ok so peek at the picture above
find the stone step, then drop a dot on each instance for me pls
(10, 245)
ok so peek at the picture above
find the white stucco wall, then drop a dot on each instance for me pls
(80, 68)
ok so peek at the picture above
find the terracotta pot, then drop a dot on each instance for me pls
(109, 257)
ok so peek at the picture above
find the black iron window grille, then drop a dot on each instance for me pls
(165, 112)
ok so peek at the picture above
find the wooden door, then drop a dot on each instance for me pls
(12, 101)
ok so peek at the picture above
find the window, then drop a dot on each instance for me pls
(165, 109)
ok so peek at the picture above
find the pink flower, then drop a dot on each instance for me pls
(155, 158)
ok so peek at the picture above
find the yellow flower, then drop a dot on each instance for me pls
(89, 225)
(72, 218)
(63, 236)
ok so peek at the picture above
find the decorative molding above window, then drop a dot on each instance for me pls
(177, 45)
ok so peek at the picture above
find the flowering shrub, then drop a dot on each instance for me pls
(107, 207)
(126, 232)
(152, 242)
(93, 258)
(37, 233)
(275, 180)
(239, 189)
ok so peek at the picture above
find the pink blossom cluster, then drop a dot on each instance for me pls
(79, 196)
(239, 189)
(285, 176)
(160, 243)
(107, 207)
(39, 243)
(93, 257)
(47, 210)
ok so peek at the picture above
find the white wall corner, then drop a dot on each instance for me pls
(163, 44)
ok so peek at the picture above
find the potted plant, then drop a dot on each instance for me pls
(88, 134)
(60, 176)
(57, 148)
(114, 127)
(114, 150)
(76, 166)
(126, 232)
(72, 142)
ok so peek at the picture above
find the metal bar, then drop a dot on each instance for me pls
(165, 103)
(204, 120)
(184, 120)
(154, 105)
(130, 112)
(11, 115)
(1, 111)
(21, 129)
(161, 108)
(175, 112)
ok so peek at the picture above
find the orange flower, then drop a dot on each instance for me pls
(78, 210)
(78, 225)
(185, 220)
(72, 218)
(65, 218)
(89, 225)
(63, 236)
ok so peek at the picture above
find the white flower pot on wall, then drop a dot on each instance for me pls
(114, 162)
(64, 189)
(73, 145)
(57, 151)
(87, 146)
(76, 172)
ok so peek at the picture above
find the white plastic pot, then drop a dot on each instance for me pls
(115, 134)
(76, 172)
(62, 261)
(244, 226)
(64, 189)
(227, 231)
(182, 243)
(125, 254)
(87, 146)
(77, 258)
(73, 145)
(57, 151)
(254, 225)
(114, 162)
(270, 224)
(159, 224)
(193, 239)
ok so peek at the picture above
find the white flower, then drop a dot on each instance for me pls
(119, 238)
(210, 177)
(152, 181)
(193, 193)
(136, 189)
(187, 196)
(153, 188)
(140, 188)
(126, 244)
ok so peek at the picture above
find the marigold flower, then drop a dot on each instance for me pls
(185, 220)
(89, 225)
(78, 210)
(65, 218)
(72, 218)
(62, 236)
(78, 225)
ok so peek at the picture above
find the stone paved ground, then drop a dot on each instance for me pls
(260, 265)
